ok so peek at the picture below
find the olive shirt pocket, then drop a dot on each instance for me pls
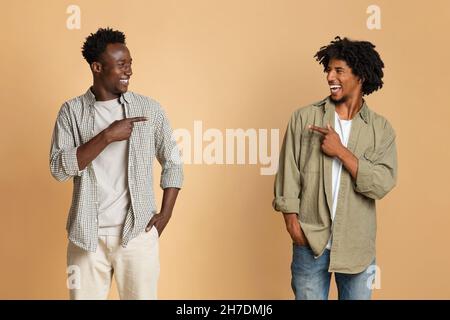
(310, 154)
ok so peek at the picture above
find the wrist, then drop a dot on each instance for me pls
(342, 153)
(167, 214)
(106, 136)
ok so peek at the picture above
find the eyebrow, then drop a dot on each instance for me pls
(336, 68)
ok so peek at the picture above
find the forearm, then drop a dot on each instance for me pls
(290, 218)
(349, 161)
(168, 201)
(87, 152)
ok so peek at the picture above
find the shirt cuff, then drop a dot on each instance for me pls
(70, 162)
(287, 205)
(172, 178)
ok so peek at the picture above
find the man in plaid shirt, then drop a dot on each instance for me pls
(106, 140)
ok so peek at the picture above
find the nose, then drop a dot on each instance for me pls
(331, 76)
(128, 71)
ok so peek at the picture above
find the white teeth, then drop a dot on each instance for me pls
(124, 80)
(335, 87)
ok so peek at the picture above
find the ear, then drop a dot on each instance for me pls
(96, 67)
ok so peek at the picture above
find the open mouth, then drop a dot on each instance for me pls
(124, 81)
(335, 88)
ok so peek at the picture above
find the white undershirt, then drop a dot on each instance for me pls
(342, 127)
(110, 169)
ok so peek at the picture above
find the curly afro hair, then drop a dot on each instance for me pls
(96, 43)
(360, 56)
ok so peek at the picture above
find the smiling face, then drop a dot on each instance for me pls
(344, 85)
(113, 71)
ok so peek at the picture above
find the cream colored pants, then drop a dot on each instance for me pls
(135, 268)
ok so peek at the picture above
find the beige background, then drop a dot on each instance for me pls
(231, 64)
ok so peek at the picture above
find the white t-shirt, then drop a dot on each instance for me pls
(342, 127)
(110, 168)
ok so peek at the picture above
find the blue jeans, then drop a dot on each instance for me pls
(311, 279)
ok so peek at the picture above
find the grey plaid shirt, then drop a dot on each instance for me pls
(75, 126)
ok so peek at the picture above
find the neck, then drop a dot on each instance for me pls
(350, 107)
(101, 94)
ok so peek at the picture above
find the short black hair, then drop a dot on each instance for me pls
(360, 56)
(96, 43)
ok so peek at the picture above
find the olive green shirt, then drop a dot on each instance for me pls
(303, 183)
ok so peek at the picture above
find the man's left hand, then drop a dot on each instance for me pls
(159, 221)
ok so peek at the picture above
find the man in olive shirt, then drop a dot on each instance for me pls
(337, 158)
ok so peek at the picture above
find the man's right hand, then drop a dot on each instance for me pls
(121, 129)
(294, 229)
(117, 131)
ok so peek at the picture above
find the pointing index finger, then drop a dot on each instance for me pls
(318, 129)
(137, 119)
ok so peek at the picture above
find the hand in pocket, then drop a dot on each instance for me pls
(294, 229)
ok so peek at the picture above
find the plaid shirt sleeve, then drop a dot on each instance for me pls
(63, 152)
(167, 153)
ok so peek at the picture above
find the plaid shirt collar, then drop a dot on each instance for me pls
(89, 98)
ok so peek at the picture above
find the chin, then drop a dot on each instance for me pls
(122, 90)
(338, 100)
